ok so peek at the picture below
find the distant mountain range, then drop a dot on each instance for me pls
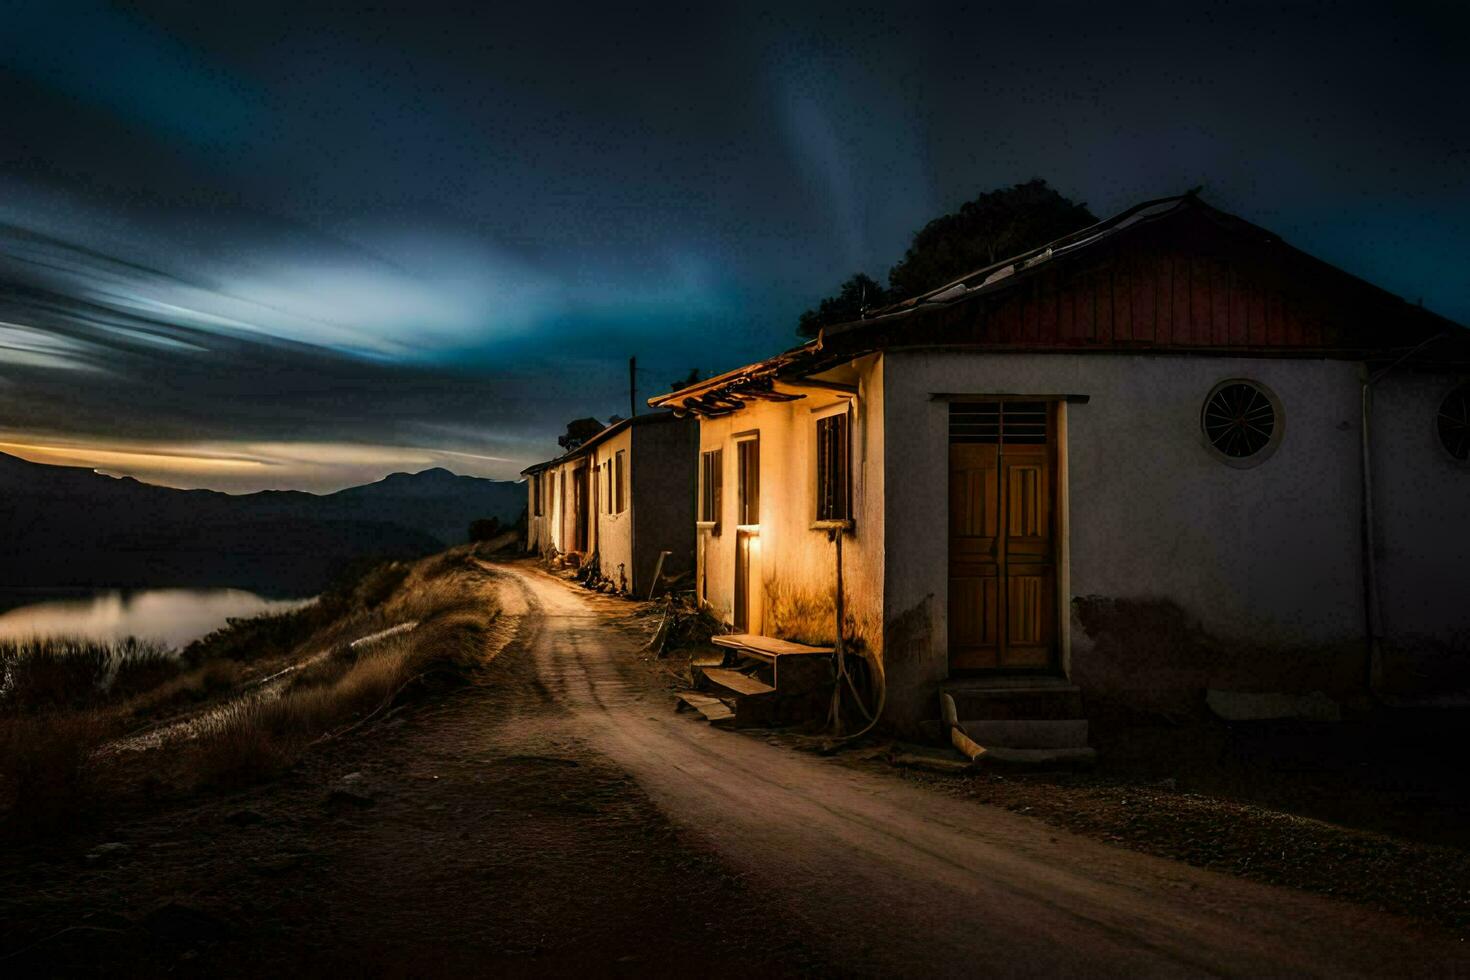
(64, 526)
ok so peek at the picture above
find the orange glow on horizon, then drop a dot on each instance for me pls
(246, 467)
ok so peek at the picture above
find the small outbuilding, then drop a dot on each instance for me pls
(1165, 454)
(621, 501)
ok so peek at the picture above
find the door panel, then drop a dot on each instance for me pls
(1002, 573)
(974, 567)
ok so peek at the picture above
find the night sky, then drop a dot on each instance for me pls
(261, 245)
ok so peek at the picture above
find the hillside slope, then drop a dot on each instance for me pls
(70, 526)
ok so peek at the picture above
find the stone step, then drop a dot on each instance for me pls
(1028, 733)
(1038, 701)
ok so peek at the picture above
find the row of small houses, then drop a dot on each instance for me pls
(1165, 454)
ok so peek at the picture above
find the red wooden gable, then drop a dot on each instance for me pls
(1193, 278)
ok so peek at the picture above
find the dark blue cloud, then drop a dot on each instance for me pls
(450, 225)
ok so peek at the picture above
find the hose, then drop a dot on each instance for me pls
(834, 714)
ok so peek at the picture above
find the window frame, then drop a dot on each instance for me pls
(840, 514)
(747, 491)
(711, 488)
(620, 480)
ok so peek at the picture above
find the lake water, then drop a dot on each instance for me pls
(170, 616)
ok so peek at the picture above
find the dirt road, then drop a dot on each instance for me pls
(558, 818)
(886, 877)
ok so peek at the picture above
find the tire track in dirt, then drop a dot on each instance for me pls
(897, 879)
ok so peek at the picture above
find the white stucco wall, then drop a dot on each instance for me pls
(1422, 518)
(1219, 570)
(795, 571)
(612, 532)
(552, 528)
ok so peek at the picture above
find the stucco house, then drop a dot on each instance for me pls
(1140, 462)
(620, 499)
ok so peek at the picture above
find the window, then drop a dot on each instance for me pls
(536, 489)
(749, 471)
(620, 480)
(834, 491)
(711, 478)
(1453, 423)
(607, 487)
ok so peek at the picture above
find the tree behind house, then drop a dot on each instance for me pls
(992, 227)
(856, 295)
(578, 432)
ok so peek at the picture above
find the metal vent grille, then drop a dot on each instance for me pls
(1454, 423)
(1239, 419)
(994, 423)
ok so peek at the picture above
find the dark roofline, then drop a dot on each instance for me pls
(995, 278)
(607, 433)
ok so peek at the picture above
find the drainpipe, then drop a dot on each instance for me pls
(1373, 607)
(1370, 560)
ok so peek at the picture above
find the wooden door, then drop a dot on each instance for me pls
(742, 582)
(1002, 566)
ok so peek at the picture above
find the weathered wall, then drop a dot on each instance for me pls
(535, 525)
(663, 479)
(542, 533)
(1187, 572)
(1422, 523)
(612, 532)
(796, 568)
(553, 529)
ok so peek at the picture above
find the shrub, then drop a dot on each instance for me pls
(137, 667)
(51, 674)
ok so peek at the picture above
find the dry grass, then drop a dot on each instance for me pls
(348, 687)
(46, 766)
(54, 674)
(62, 701)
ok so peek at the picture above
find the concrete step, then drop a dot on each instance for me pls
(1028, 733)
(1039, 700)
(1042, 758)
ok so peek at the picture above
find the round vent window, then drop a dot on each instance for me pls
(1241, 421)
(1454, 423)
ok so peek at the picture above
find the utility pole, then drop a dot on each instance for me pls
(632, 386)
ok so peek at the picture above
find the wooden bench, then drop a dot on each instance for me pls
(768, 650)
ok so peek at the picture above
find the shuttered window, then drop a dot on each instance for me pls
(834, 488)
(620, 480)
(536, 489)
(711, 478)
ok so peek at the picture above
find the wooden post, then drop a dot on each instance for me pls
(658, 572)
